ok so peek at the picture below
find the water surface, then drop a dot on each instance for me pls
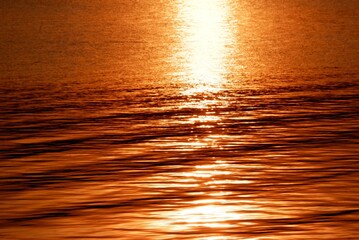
(218, 119)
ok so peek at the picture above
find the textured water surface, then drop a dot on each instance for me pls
(218, 119)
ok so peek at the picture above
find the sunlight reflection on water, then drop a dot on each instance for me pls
(206, 36)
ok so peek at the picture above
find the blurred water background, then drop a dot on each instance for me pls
(182, 119)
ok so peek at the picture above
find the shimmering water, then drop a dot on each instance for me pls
(217, 119)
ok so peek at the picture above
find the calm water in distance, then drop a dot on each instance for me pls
(182, 119)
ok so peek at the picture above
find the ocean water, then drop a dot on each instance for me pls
(183, 119)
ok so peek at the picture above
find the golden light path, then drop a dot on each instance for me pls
(206, 35)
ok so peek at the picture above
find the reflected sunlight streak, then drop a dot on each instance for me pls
(206, 36)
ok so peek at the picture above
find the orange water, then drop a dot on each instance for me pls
(208, 120)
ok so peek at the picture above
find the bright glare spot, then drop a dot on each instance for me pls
(206, 36)
(212, 216)
(204, 119)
